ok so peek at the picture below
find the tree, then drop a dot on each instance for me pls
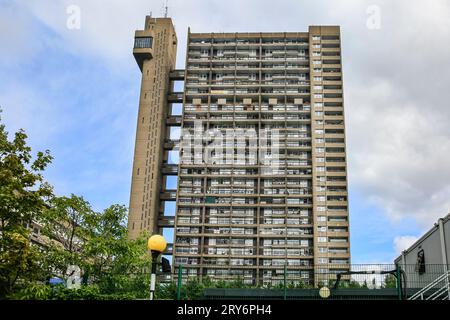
(24, 197)
(390, 281)
(71, 234)
(98, 243)
(354, 284)
(116, 263)
(68, 224)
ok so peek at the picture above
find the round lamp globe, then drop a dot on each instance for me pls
(324, 292)
(157, 243)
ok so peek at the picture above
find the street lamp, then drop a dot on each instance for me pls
(156, 244)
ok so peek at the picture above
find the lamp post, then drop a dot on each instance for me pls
(156, 244)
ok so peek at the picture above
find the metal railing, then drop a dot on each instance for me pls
(345, 281)
(194, 279)
(439, 289)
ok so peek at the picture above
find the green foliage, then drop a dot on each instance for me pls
(298, 285)
(86, 292)
(193, 288)
(390, 281)
(24, 197)
(72, 233)
(168, 291)
(33, 291)
(353, 284)
(116, 265)
(110, 253)
(67, 224)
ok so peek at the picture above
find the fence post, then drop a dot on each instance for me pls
(399, 283)
(180, 275)
(285, 289)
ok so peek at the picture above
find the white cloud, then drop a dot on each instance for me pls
(106, 28)
(397, 123)
(402, 243)
(15, 37)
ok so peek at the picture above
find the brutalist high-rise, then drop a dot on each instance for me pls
(262, 179)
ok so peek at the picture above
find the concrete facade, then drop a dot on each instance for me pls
(155, 52)
(233, 219)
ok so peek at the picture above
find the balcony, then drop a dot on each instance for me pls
(170, 169)
(168, 195)
(172, 144)
(177, 75)
(166, 222)
(169, 249)
(175, 97)
(173, 121)
(142, 50)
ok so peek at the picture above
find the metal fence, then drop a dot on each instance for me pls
(301, 294)
(355, 281)
(355, 275)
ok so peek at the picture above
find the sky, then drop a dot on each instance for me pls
(73, 85)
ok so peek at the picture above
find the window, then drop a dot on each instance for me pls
(316, 38)
(143, 42)
(322, 239)
(321, 209)
(320, 140)
(323, 260)
(316, 46)
(320, 188)
(321, 218)
(320, 169)
(304, 243)
(319, 131)
(317, 78)
(317, 70)
(321, 229)
(320, 150)
(316, 62)
(318, 87)
(318, 96)
(320, 160)
(318, 104)
(320, 198)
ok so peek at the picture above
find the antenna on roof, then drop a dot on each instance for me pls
(166, 9)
